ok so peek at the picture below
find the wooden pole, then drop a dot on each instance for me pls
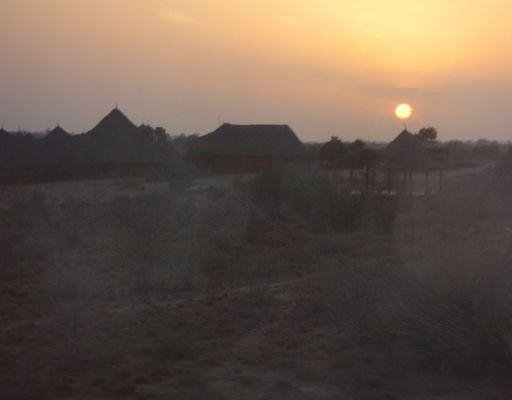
(427, 190)
(410, 182)
(367, 179)
(404, 182)
(390, 183)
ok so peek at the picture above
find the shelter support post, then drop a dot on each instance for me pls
(367, 179)
(390, 182)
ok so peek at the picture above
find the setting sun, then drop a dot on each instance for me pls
(403, 111)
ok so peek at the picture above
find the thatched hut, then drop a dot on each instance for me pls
(232, 149)
(56, 147)
(407, 154)
(117, 140)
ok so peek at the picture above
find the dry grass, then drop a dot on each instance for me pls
(225, 294)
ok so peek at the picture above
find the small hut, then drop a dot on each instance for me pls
(58, 134)
(408, 155)
(233, 149)
(56, 147)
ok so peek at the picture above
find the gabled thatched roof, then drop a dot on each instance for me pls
(251, 140)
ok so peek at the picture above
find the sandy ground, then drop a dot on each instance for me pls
(106, 190)
(249, 324)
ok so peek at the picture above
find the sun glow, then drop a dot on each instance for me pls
(403, 111)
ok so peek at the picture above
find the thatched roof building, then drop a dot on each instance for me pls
(406, 152)
(58, 134)
(117, 140)
(56, 147)
(252, 140)
(18, 150)
(246, 148)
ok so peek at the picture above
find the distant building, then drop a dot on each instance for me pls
(55, 147)
(235, 149)
(117, 140)
(114, 147)
(407, 153)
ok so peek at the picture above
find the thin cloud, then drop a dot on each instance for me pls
(177, 17)
(286, 19)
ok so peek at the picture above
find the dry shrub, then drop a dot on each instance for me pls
(144, 220)
(453, 316)
(448, 313)
(26, 209)
(464, 205)
(294, 194)
(451, 320)
(68, 220)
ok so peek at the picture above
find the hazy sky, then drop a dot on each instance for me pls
(325, 67)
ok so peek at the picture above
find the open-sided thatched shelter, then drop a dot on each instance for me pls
(407, 154)
(246, 148)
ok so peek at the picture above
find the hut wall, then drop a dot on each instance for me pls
(242, 164)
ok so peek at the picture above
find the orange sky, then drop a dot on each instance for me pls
(326, 67)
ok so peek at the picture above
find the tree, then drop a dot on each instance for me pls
(427, 135)
(333, 150)
(356, 146)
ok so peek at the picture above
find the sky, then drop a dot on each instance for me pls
(324, 67)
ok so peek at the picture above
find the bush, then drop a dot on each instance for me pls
(315, 200)
(143, 220)
(448, 315)
(454, 322)
(468, 204)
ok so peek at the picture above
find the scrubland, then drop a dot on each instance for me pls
(278, 287)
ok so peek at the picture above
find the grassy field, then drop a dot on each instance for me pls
(275, 287)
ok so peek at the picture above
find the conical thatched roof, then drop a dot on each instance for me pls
(55, 146)
(251, 140)
(406, 142)
(116, 139)
(407, 152)
(58, 134)
(115, 121)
